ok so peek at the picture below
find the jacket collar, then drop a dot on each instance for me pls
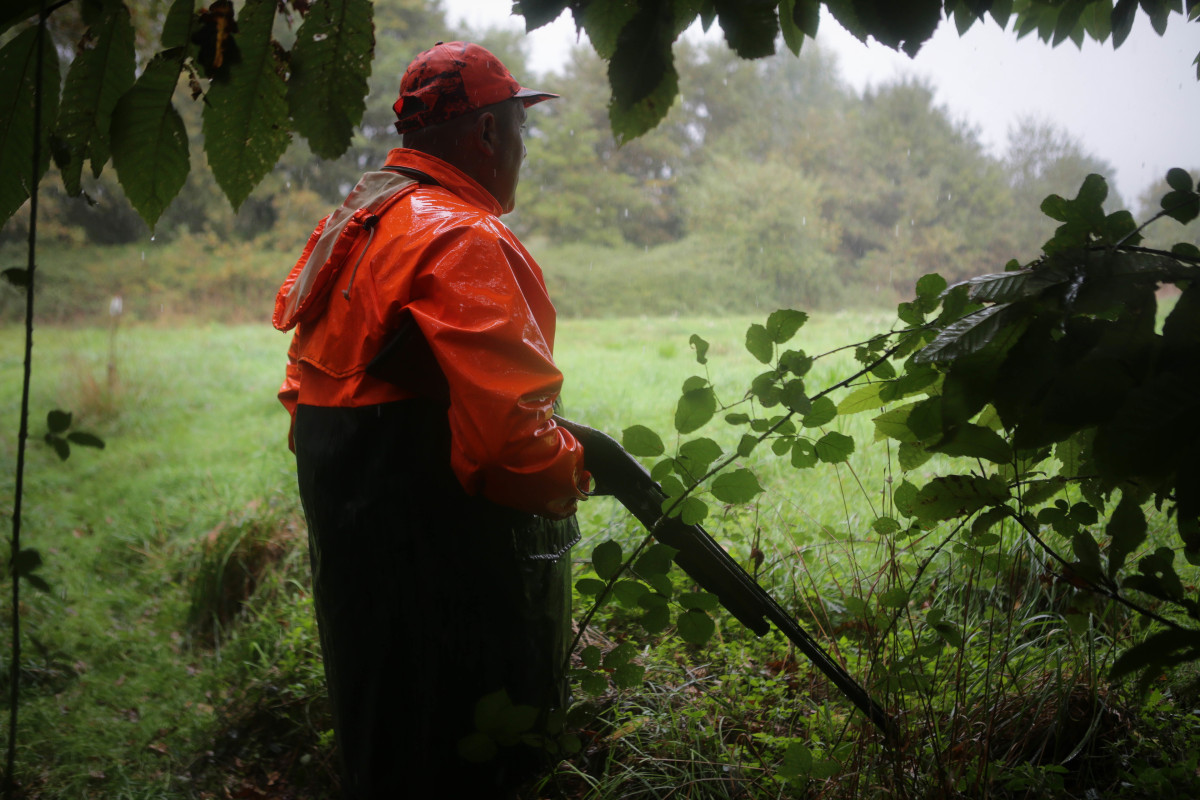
(448, 176)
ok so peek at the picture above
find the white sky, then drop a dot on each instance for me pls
(1137, 108)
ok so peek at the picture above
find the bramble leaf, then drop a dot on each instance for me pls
(738, 486)
(758, 342)
(695, 626)
(607, 558)
(957, 495)
(641, 441)
(834, 447)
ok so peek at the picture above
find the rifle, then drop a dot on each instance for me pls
(701, 557)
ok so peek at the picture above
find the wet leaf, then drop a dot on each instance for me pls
(695, 626)
(783, 324)
(641, 441)
(834, 447)
(607, 558)
(738, 486)
(759, 343)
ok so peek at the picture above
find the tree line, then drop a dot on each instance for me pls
(773, 170)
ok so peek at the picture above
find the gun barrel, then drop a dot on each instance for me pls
(703, 558)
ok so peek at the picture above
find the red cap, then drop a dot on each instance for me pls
(450, 79)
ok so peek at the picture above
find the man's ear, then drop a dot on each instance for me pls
(488, 128)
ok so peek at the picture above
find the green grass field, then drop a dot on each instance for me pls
(174, 656)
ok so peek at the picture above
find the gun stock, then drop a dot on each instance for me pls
(701, 557)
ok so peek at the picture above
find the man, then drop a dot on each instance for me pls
(439, 492)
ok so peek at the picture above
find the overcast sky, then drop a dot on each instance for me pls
(1137, 108)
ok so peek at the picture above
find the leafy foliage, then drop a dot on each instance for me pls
(645, 82)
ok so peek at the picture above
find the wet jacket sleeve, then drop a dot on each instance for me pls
(289, 392)
(473, 304)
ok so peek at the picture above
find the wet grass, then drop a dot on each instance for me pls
(175, 655)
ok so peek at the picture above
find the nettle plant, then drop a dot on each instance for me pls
(1039, 383)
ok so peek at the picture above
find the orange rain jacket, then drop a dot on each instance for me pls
(440, 253)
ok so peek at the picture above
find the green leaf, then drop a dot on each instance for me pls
(602, 21)
(896, 597)
(834, 447)
(864, 398)
(798, 18)
(61, 448)
(929, 288)
(697, 454)
(804, 454)
(629, 676)
(905, 498)
(795, 362)
(539, 12)
(701, 347)
(693, 510)
(793, 397)
(641, 441)
(1000, 287)
(894, 424)
(1179, 179)
(759, 343)
(1182, 206)
(656, 560)
(912, 455)
(783, 324)
(85, 439)
(699, 600)
(749, 26)
(149, 140)
(330, 63)
(589, 586)
(1127, 530)
(642, 72)
(695, 408)
(695, 626)
(593, 684)
(58, 421)
(607, 558)
(975, 441)
(656, 619)
(246, 126)
(1158, 11)
(822, 412)
(957, 495)
(966, 336)
(590, 656)
(97, 78)
(885, 526)
(1158, 651)
(739, 486)
(797, 762)
(628, 592)
(619, 655)
(19, 68)
(27, 561)
(17, 276)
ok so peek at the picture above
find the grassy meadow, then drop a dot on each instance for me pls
(175, 654)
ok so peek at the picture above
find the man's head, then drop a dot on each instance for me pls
(459, 103)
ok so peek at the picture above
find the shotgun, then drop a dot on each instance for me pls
(701, 557)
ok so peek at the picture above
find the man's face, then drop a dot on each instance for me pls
(509, 153)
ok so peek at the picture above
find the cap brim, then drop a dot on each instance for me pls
(533, 96)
